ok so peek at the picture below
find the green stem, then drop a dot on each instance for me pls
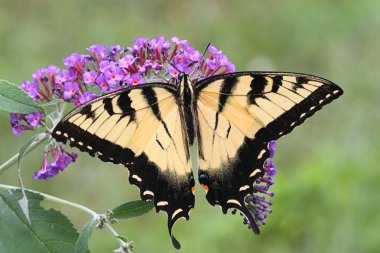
(5, 166)
(71, 204)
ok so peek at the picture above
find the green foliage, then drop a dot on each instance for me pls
(132, 209)
(81, 246)
(48, 230)
(13, 99)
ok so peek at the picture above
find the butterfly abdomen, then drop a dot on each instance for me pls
(186, 97)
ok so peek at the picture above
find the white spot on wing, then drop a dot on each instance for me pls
(254, 173)
(162, 203)
(234, 201)
(137, 178)
(261, 153)
(176, 212)
(148, 193)
(245, 187)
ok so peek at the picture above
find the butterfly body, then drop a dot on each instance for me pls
(187, 103)
(149, 127)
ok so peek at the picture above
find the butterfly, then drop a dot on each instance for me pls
(149, 128)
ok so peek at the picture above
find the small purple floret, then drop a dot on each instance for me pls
(34, 118)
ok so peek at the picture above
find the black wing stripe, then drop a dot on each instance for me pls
(151, 98)
(225, 91)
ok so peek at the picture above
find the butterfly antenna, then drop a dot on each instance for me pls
(157, 74)
(200, 59)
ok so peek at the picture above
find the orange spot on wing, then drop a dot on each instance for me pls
(205, 187)
(193, 189)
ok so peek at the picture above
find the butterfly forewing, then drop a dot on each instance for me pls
(238, 114)
(141, 128)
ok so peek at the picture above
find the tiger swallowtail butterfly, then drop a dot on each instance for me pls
(149, 128)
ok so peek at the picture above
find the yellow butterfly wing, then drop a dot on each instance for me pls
(238, 114)
(141, 128)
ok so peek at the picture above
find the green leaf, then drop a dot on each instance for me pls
(123, 238)
(132, 209)
(13, 99)
(53, 102)
(81, 246)
(49, 230)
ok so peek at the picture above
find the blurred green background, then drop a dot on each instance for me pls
(327, 186)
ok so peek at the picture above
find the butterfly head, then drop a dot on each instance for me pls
(185, 87)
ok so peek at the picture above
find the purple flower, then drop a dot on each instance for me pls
(126, 61)
(51, 70)
(140, 43)
(34, 118)
(16, 117)
(87, 96)
(173, 71)
(272, 148)
(73, 60)
(62, 158)
(30, 88)
(178, 42)
(17, 128)
(101, 82)
(159, 43)
(135, 79)
(99, 51)
(69, 89)
(217, 60)
(230, 67)
(89, 76)
(38, 74)
(62, 161)
(193, 54)
(114, 75)
(65, 75)
(181, 61)
(42, 173)
(115, 49)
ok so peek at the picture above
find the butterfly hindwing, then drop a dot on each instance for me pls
(238, 114)
(141, 128)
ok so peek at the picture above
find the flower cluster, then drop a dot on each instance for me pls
(62, 158)
(106, 69)
(21, 122)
